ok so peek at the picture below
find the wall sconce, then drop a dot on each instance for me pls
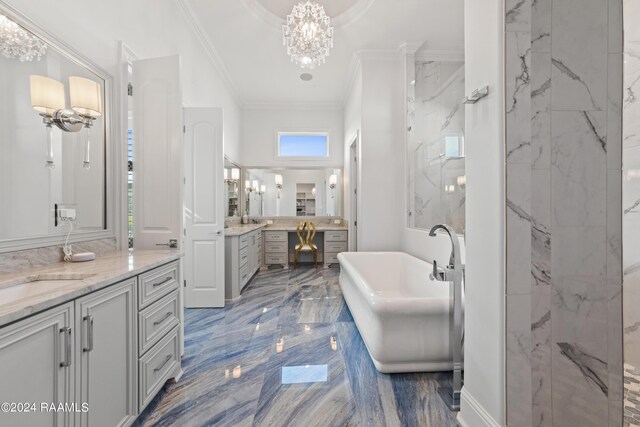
(313, 191)
(461, 181)
(226, 175)
(256, 185)
(279, 183)
(263, 189)
(247, 186)
(48, 99)
(333, 181)
(449, 188)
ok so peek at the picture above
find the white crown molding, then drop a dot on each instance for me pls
(410, 47)
(347, 17)
(354, 69)
(445, 55)
(366, 55)
(211, 51)
(292, 106)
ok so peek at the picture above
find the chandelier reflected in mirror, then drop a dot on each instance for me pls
(18, 43)
(308, 34)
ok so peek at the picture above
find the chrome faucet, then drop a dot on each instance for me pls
(454, 273)
(455, 268)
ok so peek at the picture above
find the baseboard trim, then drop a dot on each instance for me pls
(473, 414)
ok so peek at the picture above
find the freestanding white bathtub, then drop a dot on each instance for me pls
(401, 313)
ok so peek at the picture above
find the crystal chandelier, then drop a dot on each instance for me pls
(308, 34)
(18, 43)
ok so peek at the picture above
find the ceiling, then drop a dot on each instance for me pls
(245, 38)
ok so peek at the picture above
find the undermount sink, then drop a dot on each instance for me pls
(58, 276)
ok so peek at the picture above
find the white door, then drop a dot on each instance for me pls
(36, 366)
(203, 208)
(106, 355)
(157, 132)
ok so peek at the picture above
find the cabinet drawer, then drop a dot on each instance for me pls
(156, 283)
(157, 366)
(275, 247)
(275, 236)
(335, 247)
(330, 258)
(335, 236)
(275, 258)
(156, 320)
(244, 240)
(244, 256)
(244, 274)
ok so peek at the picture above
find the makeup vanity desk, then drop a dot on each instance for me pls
(280, 242)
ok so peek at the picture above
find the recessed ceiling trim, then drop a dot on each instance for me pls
(347, 17)
(215, 58)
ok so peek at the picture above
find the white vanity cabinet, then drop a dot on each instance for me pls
(36, 366)
(111, 350)
(335, 241)
(243, 258)
(106, 355)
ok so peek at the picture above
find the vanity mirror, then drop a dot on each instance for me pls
(54, 131)
(292, 192)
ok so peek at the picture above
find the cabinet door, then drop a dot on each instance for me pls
(253, 251)
(36, 366)
(106, 354)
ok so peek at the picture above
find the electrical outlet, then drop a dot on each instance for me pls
(269, 222)
(68, 214)
(337, 221)
(64, 213)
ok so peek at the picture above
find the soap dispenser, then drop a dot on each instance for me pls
(245, 218)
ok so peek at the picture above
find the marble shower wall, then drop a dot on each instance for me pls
(436, 110)
(563, 171)
(631, 184)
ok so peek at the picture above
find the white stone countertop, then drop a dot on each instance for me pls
(319, 227)
(239, 230)
(31, 291)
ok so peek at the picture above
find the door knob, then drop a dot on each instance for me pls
(173, 244)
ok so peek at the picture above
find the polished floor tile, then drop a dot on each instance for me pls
(287, 353)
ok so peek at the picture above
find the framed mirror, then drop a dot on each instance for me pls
(54, 139)
(289, 192)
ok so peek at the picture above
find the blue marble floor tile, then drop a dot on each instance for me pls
(326, 402)
(296, 324)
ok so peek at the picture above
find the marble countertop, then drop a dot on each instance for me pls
(239, 230)
(319, 227)
(31, 291)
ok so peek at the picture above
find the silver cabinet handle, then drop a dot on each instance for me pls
(67, 346)
(166, 316)
(89, 322)
(163, 363)
(168, 279)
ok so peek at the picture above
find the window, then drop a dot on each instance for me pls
(454, 145)
(303, 145)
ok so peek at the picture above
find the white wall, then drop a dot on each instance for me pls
(375, 108)
(151, 28)
(483, 394)
(352, 126)
(260, 127)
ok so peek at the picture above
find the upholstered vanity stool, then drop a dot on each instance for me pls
(306, 231)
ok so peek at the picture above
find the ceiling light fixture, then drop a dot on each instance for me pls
(18, 43)
(308, 34)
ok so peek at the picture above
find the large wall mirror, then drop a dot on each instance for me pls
(292, 192)
(53, 138)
